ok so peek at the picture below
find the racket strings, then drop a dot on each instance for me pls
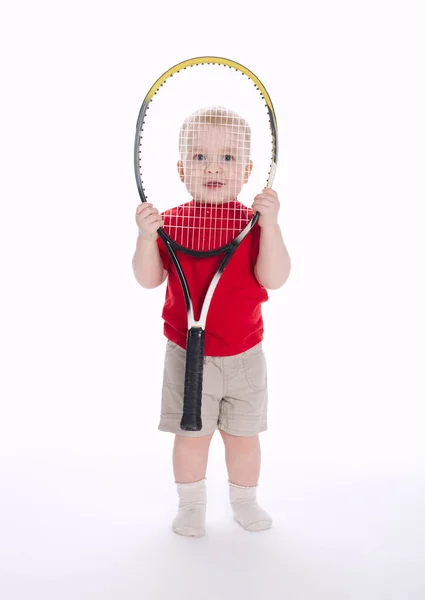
(215, 156)
(213, 124)
(206, 227)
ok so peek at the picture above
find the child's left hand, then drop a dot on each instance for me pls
(267, 204)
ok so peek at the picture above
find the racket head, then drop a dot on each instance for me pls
(200, 161)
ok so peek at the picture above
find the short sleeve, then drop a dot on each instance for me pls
(165, 257)
(256, 232)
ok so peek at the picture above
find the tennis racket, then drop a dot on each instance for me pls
(205, 146)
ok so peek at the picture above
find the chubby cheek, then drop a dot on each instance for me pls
(191, 178)
(237, 178)
(192, 172)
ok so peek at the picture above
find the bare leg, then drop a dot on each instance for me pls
(190, 458)
(243, 460)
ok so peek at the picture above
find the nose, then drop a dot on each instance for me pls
(213, 167)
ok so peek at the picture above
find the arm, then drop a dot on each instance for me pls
(147, 263)
(273, 263)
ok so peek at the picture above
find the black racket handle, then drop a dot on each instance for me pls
(191, 419)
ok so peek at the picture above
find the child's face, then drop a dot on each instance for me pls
(215, 163)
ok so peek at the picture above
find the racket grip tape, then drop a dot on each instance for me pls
(192, 403)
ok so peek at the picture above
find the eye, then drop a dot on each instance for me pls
(199, 157)
(228, 157)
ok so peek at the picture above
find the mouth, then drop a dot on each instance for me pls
(213, 184)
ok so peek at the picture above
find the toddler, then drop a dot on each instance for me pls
(234, 399)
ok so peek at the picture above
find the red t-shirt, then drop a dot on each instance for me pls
(234, 321)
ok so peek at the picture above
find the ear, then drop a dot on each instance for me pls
(248, 170)
(180, 170)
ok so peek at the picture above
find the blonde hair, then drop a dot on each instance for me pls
(218, 116)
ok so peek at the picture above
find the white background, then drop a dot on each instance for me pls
(86, 486)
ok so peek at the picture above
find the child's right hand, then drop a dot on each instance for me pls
(148, 221)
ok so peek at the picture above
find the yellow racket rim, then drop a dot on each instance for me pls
(200, 60)
(191, 62)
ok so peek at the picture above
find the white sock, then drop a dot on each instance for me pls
(246, 509)
(190, 519)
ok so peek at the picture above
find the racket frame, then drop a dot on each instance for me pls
(191, 418)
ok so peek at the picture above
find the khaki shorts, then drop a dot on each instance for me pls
(234, 395)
